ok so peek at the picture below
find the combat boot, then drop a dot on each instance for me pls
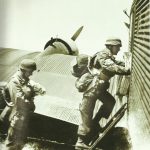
(80, 144)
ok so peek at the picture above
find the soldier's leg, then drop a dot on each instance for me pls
(88, 105)
(22, 137)
(10, 140)
(14, 140)
(5, 113)
(86, 112)
(107, 107)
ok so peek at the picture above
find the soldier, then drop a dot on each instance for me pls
(101, 67)
(22, 92)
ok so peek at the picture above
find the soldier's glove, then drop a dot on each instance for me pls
(128, 71)
(39, 90)
(43, 91)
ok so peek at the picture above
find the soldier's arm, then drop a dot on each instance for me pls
(120, 63)
(38, 89)
(15, 88)
(112, 66)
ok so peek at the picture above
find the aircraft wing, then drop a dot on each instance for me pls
(62, 98)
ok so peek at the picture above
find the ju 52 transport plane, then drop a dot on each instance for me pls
(56, 117)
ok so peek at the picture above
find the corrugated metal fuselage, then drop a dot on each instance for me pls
(139, 96)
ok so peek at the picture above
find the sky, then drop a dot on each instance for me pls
(29, 24)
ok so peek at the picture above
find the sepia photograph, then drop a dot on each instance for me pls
(74, 75)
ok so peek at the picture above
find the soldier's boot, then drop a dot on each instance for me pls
(81, 144)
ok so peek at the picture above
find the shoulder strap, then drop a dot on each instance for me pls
(93, 63)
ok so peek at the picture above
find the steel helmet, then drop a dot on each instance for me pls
(82, 59)
(28, 64)
(113, 41)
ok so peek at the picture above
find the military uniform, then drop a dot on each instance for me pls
(22, 92)
(102, 67)
(107, 67)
